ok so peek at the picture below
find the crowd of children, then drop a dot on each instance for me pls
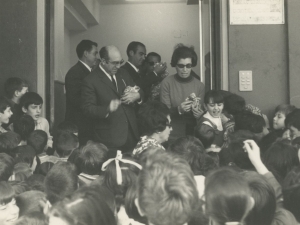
(235, 170)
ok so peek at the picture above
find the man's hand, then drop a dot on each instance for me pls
(197, 112)
(160, 68)
(185, 106)
(130, 97)
(114, 105)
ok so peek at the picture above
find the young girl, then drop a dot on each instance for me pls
(227, 197)
(210, 124)
(9, 211)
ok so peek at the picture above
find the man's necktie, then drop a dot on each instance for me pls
(113, 81)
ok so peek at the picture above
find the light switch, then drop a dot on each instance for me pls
(245, 80)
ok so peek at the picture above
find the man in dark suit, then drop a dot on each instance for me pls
(87, 54)
(136, 52)
(103, 100)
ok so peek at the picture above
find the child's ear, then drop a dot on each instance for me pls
(136, 202)
(16, 94)
(24, 109)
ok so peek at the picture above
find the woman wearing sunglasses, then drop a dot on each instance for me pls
(176, 89)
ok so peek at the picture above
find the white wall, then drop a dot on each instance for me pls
(159, 26)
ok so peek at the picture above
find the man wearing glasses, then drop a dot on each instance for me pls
(103, 100)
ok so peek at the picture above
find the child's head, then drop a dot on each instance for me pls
(15, 88)
(252, 122)
(23, 126)
(280, 158)
(68, 127)
(214, 103)
(8, 141)
(291, 192)
(192, 150)
(65, 143)
(9, 212)
(6, 166)
(292, 122)
(91, 157)
(121, 175)
(234, 104)
(167, 192)
(281, 112)
(5, 111)
(60, 181)
(36, 182)
(29, 202)
(264, 197)
(206, 136)
(227, 196)
(38, 140)
(83, 207)
(33, 218)
(31, 104)
(22, 171)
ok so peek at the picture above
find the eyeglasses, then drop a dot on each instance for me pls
(188, 66)
(116, 63)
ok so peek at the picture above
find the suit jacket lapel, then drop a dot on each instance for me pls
(106, 80)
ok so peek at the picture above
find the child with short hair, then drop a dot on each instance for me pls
(38, 140)
(5, 113)
(15, 88)
(8, 141)
(211, 123)
(292, 123)
(167, 192)
(23, 126)
(90, 160)
(9, 212)
(31, 104)
(6, 166)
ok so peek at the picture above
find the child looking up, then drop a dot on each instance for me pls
(5, 113)
(281, 112)
(211, 123)
(31, 104)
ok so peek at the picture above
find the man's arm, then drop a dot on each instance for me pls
(73, 82)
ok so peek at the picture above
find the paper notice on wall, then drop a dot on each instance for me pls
(256, 12)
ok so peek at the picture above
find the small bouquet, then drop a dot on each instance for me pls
(196, 100)
(131, 89)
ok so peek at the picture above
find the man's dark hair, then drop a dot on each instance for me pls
(30, 98)
(84, 45)
(104, 53)
(13, 84)
(133, 46)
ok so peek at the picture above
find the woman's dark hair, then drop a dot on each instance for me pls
(192, 150)
(291, 192)
(152, 117)
(281, 158)
(214, 95)
(183, 52)
(84, 207)
(60, 181)
(264, 197)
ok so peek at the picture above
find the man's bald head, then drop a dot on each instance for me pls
(110, 59)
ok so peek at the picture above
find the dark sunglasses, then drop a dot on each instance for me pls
(188, 66)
